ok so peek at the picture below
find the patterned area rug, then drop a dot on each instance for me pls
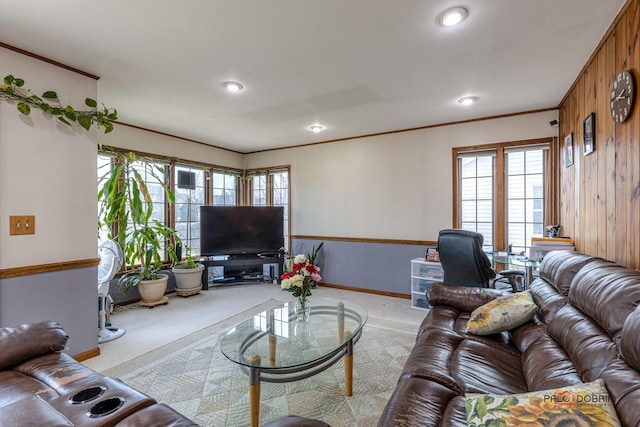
(192, 376)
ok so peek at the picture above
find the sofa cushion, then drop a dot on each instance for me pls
(559, 268)
(158, 415)
(584, 404)
(604, 284)
(32, 411)
(623, 383)
(421, 402)
(30, 340)
(629, 342)
(501, 314)
(479, 368)
(15, 386)
(547, 298)
(546, 365)
(523, 336)
(453, 320)
(588, 346)
(59, 371)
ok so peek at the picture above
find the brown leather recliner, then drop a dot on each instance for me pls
(586, 328)
(41, 386)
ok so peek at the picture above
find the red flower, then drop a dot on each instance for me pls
(287, 275)
(298, 267)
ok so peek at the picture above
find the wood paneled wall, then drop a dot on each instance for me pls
(599, 194)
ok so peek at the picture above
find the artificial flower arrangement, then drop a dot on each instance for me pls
(301, 277)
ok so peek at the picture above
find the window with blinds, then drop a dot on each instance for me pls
(525, 184)
(190, 193)
(502, 193)
(477, 176)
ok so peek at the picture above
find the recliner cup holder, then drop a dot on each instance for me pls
(86, 395)
(105, 407)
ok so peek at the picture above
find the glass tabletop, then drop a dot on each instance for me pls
(282, 342)
(515, 260)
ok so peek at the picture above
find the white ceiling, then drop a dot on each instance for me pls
(357, 67)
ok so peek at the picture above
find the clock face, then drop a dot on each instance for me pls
(622, 95)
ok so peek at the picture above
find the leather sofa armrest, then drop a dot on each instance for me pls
(30, 340)
(461, 297)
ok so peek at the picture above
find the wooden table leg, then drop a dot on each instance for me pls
(254, 390)
(348, 366)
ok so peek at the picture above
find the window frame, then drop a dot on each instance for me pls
(170, 166)
(499, 212)
(269, 172)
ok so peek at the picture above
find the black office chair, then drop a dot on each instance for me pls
(465, 263)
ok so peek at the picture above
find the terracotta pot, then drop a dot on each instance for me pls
(153, 290)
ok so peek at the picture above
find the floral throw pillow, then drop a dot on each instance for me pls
(501, 314)
(580, 405)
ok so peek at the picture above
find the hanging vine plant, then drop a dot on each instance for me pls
(49, 103)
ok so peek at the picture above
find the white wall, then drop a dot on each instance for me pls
(395, 186)
(45, 168)
(130, 138)
(48, 169)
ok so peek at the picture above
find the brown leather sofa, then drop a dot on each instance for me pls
(41, 386)
(587, 327)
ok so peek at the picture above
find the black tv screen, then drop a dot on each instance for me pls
(239, 230)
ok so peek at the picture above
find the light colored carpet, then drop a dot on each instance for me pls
(192, 376)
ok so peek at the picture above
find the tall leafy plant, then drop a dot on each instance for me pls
(126, 206)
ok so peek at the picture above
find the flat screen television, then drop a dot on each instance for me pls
(241, 230)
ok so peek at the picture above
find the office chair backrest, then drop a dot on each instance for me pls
(463, 261)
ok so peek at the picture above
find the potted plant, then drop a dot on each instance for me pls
(188, 274)
(126, 206)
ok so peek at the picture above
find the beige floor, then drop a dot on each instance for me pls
(147, 329)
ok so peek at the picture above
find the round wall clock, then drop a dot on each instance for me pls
(622, 96)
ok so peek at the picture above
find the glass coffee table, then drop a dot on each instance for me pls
(273, 346)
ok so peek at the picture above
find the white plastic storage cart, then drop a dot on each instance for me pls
(423, 274)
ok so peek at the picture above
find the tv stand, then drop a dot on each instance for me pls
(241, 268)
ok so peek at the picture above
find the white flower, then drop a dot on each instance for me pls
(299, 259)
(295, 281)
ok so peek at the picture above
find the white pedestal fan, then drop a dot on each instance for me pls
(111, 258)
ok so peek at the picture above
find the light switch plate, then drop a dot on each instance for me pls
(22, 224)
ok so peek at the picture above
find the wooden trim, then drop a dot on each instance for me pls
(501, 116)
(48, 268)
(455, 216)
(365, 291)
(552, 212)
(107, 149)
(369, 240)
(87, 354)
(178, 137)
(499, 184)
(546, 140)
(47, 60)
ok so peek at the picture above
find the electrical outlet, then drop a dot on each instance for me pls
(22, 224)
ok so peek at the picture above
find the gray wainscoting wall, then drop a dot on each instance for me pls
(376, 266)
(69, 297)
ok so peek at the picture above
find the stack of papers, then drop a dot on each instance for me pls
(541, 245)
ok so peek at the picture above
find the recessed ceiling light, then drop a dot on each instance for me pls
(233, 86)
(467, 100)
(316, 128)
(452, 16)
